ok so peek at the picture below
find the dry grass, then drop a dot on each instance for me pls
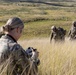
(56, 58)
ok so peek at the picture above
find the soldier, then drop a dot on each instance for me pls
(54, 33)
(13, 58)
(72, 32)
(57, 34)
(62, 33)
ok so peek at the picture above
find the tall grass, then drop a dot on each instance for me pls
(56, 58)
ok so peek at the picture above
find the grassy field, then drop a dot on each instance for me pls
(56, 58)
(38, 18)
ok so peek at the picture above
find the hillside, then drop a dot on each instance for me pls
(38, 18)
(38, 0)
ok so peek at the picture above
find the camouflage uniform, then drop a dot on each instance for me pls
(62, 33)
(72, 32)
(13, 58)
(57, 34)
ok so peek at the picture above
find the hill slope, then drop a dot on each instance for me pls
(37, 0)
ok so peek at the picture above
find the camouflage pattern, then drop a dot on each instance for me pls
(1, 32)
(62, 33)
(72, 32)
(14, 60)
(57, 34)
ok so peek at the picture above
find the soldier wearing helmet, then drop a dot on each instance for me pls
(13, 58)
(57, 34)
(72, 32)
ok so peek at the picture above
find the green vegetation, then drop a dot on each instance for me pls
(38, 18)
(60, 58)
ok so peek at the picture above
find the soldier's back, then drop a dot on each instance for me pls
(11, 57)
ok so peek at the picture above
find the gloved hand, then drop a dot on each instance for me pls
(33, 54)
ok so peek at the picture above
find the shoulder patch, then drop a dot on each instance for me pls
(17, 46)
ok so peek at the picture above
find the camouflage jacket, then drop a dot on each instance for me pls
(55, 35)
(13, 58)
(72, 33)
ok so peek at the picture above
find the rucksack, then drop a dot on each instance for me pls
(62, 31)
